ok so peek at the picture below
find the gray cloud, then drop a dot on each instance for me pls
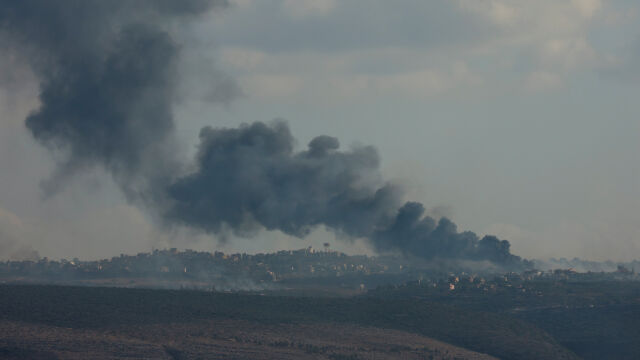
(107, 74)
(251, 177)
(354, 25)
(108, 79)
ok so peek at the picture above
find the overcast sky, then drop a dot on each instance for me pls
(514, 118)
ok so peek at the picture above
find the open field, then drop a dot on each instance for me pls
(192, 324)
(223, 339)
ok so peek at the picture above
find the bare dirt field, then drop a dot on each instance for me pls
(224, 339)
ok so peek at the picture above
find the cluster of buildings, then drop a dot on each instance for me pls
(189, 264)
(526, 283)
(302, 267)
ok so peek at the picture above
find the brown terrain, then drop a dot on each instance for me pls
(222, 339)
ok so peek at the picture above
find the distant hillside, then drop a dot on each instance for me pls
(594, 318)
(110, 308)
(224, 339)
(303, 271)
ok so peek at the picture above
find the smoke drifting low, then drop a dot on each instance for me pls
(108, 78)
(251, 177)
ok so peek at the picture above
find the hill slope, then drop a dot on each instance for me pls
(111, 308)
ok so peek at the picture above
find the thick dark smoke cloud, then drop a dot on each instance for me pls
(108, 79)
(251, 177)
(107, 72)
(413, 233)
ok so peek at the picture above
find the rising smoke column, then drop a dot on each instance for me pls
(413, 233)
(108, 77)
(251, 177)
(107, 72)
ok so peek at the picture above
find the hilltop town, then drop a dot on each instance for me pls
(307, 269)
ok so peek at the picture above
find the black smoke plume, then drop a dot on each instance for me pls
(108, 77)
(107, 72)
(251, 177)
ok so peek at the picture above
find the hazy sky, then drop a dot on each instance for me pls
(514, 118)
